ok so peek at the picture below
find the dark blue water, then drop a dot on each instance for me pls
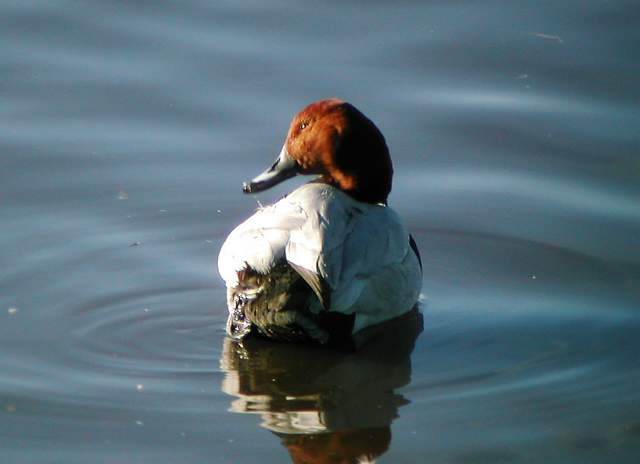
(126, 129)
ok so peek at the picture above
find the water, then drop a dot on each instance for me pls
(126, 130)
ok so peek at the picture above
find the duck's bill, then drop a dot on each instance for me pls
(283, 168)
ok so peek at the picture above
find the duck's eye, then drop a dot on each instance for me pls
(303, 125)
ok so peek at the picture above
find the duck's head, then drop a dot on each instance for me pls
(334, 140)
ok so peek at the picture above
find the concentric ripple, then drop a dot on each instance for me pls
(154, 332)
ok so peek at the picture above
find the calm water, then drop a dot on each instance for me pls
(126, 129)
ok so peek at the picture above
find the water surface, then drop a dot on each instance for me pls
(126, 129)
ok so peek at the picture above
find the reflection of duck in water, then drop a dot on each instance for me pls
(326, 406)
(331, 258)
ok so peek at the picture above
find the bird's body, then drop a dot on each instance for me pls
(327, 260)
(318, 250)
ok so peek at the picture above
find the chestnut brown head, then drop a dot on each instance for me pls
(334, 140)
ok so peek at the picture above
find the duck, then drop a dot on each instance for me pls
(331, 258)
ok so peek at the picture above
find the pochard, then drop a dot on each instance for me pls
(331, 258)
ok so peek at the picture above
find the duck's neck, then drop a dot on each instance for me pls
(361, 165)
(374, 191)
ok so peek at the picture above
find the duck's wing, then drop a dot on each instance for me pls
(346, 248)
(298, 229)
(259, 243)
(316, 282)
